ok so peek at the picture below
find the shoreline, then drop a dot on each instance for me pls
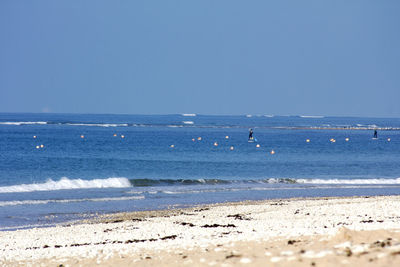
(323, 229)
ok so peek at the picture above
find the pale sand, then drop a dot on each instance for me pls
(292, 232)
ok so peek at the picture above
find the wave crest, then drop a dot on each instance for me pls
(65, 183)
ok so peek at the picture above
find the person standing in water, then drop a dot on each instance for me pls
(375, 133)
(251, 134)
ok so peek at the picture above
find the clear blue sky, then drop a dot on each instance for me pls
(337, 57)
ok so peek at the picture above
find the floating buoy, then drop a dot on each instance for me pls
(122, 136)
(257, 145)
(193, 139)
(308, 140)
(82, 136)
(388, 139)
(272, 152)
(37, 147)
(199, 138)
(227, 137)
(115, 135)
(34, 136)
(215, 144)
(347, 139)
(232, 148)
(172, 146)
(42, 146)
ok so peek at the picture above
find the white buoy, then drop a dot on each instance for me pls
(257, 145)
(388, 139)
(42, 146)
(227, 137)
(34, 136)
(172, 146)
(232, 148)
(347, 139)
(308, 140)
(122, 136)
(37, 147)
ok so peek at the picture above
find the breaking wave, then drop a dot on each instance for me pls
(65, 183)
(23, 123)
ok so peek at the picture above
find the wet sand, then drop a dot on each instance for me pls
(290, 232)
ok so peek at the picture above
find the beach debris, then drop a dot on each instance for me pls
(201, 209)
(168, 237)
(367, 221)
(232, 255)
(292, 241)
(138, 220)
(215, 225)
(239, 217)
(185, 223)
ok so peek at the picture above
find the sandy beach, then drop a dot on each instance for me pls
(288, 232)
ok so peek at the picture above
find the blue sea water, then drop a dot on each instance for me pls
(60, 167)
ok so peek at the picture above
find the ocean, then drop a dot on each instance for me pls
(61, 167)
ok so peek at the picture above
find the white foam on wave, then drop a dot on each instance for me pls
(99, 124)
(189, 115)
(349, 181)
(23, 123)
(46, 201)
(65, 183)
(188, 122)
(312, 116)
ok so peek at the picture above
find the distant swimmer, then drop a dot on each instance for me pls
(251, 134)
(375, 134)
